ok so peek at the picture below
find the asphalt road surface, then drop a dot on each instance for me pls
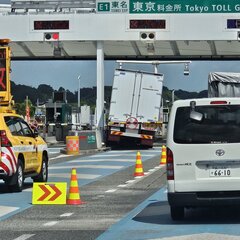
(108, 198)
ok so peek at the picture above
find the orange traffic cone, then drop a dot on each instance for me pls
(138, 166)
(163, 156)
(74, 193)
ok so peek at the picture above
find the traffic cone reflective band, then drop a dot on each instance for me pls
(164, 155)
(74, 194)
(138, 166)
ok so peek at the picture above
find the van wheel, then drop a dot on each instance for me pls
(43, 175)
(18, 179)
(177, 213)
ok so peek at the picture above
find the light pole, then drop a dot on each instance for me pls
(173, 96)
(79, 104)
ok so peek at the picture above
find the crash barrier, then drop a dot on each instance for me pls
(74, 192)
(87, 139)
(163, 156)
(72, 145)
(138, 167)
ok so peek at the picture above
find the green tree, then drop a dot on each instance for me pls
(21, 108)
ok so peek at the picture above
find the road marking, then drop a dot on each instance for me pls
(201, 236)
(61, 156)
(111, 191)
(122, 185)
(117, 155)
(88, 166)
(105, 155)
(24, 237)
(151, 170)
(101, 160)
(5, 210)
(49, 224)
(130, 181)
(80, 175)
(66, 214)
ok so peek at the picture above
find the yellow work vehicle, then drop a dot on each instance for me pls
(23, 153)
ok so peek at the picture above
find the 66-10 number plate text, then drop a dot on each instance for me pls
(226, 172)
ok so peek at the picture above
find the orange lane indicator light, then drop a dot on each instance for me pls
(163, 156)
(74, 192)
(138, 166)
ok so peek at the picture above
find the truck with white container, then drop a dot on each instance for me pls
(134, 108)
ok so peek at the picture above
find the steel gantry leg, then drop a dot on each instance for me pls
(100, 94)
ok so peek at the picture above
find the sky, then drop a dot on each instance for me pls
(65, 73)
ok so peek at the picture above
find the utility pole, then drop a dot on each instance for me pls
(79, 103)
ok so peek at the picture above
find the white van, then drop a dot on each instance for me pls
(203, 154)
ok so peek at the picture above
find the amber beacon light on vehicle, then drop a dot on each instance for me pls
(5, 93)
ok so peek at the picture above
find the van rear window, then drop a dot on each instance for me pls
(220, 124)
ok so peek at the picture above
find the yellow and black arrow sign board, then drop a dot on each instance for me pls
(49, 193)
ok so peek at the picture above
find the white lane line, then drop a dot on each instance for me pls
(128, 155)
(79, 175)
(61, 156)
(24, 237)
(5, 210)
(66, 214)
(49, 224)
(88, 166)
(120, 152)
(122, 185)
(111, 191)
(138, 177)
(105, 155)
(151, 170)
(101, 160)
(130, 181)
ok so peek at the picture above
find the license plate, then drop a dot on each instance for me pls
(220, 172)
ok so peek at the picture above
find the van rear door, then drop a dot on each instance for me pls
(206, 152)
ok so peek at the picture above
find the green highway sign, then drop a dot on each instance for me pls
(168, 6)
(103, 7)
(184, 6)
(113, 6)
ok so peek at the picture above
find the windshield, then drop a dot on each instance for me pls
(220, 124)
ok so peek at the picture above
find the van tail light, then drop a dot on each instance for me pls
(170, 166)
(5, 142)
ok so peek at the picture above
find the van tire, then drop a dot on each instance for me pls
(43, 175)
(177, 213)
(17, 179)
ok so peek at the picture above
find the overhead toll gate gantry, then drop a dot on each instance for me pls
(122, 30)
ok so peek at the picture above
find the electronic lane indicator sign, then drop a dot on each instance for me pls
(4, 69)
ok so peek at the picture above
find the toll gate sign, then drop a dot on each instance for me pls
(3, 69)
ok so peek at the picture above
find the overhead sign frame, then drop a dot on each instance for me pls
(167, 6)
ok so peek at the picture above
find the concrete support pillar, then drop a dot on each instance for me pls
(100, 93)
